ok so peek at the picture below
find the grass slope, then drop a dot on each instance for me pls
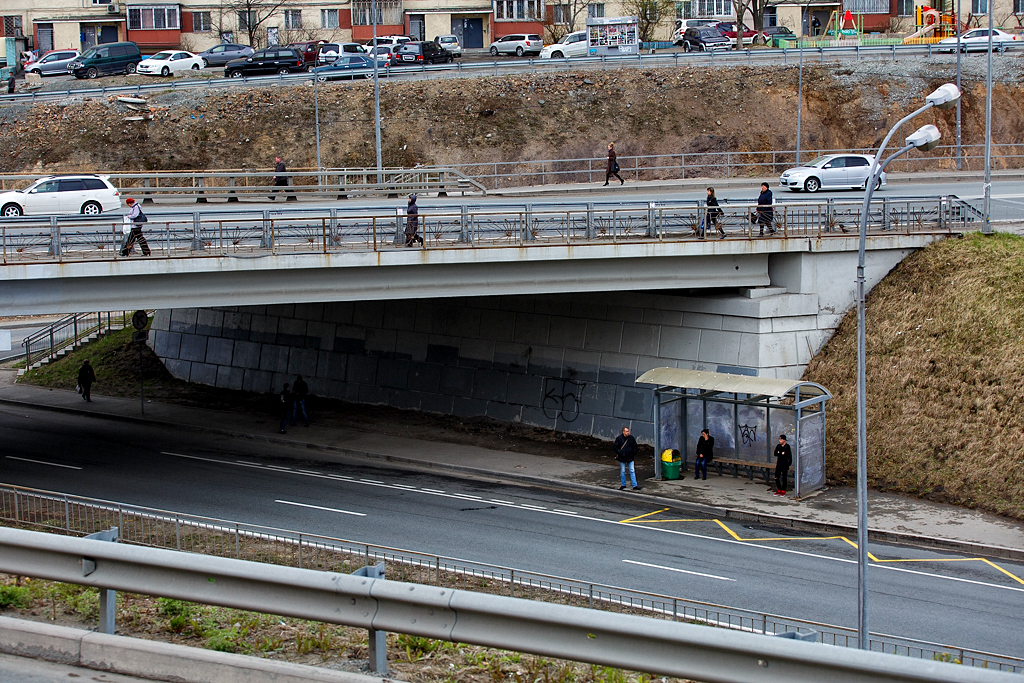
(945, 335)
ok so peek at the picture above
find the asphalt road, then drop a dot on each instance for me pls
(966, 603)
(25, 670)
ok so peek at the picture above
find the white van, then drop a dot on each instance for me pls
(572, 45)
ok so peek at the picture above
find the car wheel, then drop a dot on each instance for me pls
(195, 67)
(91, 72)
(494, 51)
(321, 78)
(91, 209)
(686, 47)
(11, 211)
(878, 183)
(283, 71)
(130, 69)
(205, 63)
(519, 51)
(703, 47)
(235, 74)
(166, 71)
(37, 72)
(557, 55)
(812, 185)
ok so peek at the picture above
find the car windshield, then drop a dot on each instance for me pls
(91, 52)
(820, 161)
(709, 34)
(162, 55)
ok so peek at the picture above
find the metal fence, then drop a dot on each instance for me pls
(340, 230)
(51, 341)
(78, 516)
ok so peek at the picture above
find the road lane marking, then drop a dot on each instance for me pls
(405, 486)
(681, 571)
(42, 462)
(493, 500)
(565, 512)
(320, 507)
(371, 481)
(432, 490)
(533, 507)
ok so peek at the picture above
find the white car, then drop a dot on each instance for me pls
(331, 51)
(451, 43)
(168, 62)
(518, 44)
(53, 195)
(829, 172)
(976, 40)
(683, 24)
(572, 45)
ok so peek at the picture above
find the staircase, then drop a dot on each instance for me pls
(69, 333)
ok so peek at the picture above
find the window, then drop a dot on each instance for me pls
(95, 184)
(560, 14)
(979, 7)
(293, 18)
(519, 10)
(201, 22)
(12, 26)
(247, 19)
(868, 6)
(328, 18)
(72, 185)
(770, 17)
(595, 11)
(1018, 6)
(714, 8)
(101, 2)
(145, 18)
(389, 13)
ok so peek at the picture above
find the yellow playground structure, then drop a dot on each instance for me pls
(933, 26)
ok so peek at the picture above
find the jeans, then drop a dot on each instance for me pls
(299, 408)
(700, 465)
(632, 473)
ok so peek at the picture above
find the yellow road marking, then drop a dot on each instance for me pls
(871, 556)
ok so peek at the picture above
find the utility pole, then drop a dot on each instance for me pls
(986, 227)
(376, 93)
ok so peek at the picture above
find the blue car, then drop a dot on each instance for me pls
(347, 66)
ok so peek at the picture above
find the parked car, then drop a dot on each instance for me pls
(574, 44)
(108, 58)
(346, 66)
(728, 29)
(168, 62)
(271, 60)
(831, 171)
(518, 44)
(219, 55)
(330, 51)
(773, 34)
(53, 62)
(450, 43)
(87, 194)
(683, 24)
(423, 52)
(976, 40)
(385, 55)
(308, 49)
(393, 41)
(704, 39)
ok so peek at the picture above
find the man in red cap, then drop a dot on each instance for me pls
(135, 218)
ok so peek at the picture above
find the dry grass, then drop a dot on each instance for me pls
(945, 335)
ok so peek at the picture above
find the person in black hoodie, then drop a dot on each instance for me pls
(783, 459)
(765, 211)
(714, 214)
(625, 453)
(86, 376)
(412, 223)
(705, 453)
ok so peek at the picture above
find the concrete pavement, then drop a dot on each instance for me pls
(893, 518)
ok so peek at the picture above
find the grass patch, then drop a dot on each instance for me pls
(945, 386)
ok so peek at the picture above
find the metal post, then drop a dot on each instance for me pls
(959, 155)
(590, 220)
(986, 227)
(657, 435)
(108, 598)
(799, 103)
(197, 232)
(376, 93)
(54, 237)
(316, 114)
(378, 640)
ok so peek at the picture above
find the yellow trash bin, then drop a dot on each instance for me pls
(670, 464)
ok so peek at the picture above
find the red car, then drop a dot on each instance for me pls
(728, 29)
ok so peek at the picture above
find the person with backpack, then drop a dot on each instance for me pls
(133, 221)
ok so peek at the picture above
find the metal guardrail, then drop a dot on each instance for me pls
(562, 631)
(747, 57)
(66, 333)
(77, 515)
(346, 230)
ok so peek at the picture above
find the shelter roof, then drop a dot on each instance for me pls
(731, 384)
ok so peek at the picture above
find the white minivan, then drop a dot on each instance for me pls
(574, 44)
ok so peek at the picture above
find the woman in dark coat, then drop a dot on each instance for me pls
(412, 223)
(765, 210)
(714, 214)
(613, 165)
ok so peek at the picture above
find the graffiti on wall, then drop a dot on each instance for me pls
(562, 398)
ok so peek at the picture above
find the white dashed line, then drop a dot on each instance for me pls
(500, 502)
(565, 512)
(320, 507)
(432, 490)
(369, 481)
(681, 571)
(42, 462)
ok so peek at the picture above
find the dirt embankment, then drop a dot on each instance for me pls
(945, 410)
(508, 118)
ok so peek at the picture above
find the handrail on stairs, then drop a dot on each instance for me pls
(45, 344)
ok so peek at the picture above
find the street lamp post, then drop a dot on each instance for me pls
(376, 92)
(986, 227)
(959, 153)
(924, 139)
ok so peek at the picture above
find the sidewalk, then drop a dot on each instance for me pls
(892, 517)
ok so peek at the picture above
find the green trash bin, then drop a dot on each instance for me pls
(670, 469)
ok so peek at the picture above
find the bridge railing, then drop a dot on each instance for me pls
(306, 231)
(79, 516)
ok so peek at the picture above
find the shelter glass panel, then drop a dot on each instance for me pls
(783, 422)
(752, 427)
(720, 423)
(811, 473)
(671, 416)
(694, 423)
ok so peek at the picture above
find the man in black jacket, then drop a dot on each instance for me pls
(287, 405)
(783, 459)
(86, 376)
(625, 453)
(765, 212)
(705, 453)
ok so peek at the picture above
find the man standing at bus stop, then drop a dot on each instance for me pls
(783, 459)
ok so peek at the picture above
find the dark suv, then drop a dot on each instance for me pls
(108, 58)
(309, 50)
(422, 52)
(271, 60)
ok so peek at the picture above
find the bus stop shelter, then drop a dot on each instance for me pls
(746, 415)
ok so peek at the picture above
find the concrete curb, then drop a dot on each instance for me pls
(154, 659)
(876, 535)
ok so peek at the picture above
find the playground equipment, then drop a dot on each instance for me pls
(931, 23)
(845, 27)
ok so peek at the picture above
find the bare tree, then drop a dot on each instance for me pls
(251, 15)
(755, 8)
(649, 14)
(564, 18)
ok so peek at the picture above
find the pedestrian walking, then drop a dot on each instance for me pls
(299, 390)
(714, 214)
(10, 83)
(133, 221)
(287, 405)
(783, 459)
(705, 454)
(613, 166)
(412, 223)
(765, 210)
(625, 453)
(280, 179)
(86, 376)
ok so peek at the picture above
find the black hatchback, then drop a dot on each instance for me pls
(271, 60)
(422, 52)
